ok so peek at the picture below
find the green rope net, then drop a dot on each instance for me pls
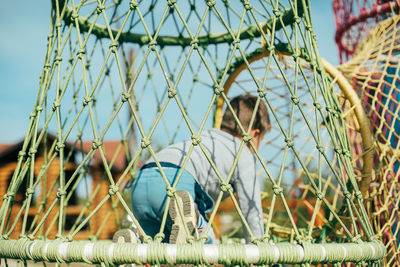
(122, 79)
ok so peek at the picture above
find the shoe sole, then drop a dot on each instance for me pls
(178, 233)
(125, 236)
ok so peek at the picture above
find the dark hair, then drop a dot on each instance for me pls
(243, 106)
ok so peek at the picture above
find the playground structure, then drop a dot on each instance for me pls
(188, 61)
(372, 67)
(354, 19)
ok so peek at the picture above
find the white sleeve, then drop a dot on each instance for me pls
(249, 196)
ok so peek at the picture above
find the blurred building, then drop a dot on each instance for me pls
(88, 194)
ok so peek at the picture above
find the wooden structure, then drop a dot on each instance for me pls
(101, 226)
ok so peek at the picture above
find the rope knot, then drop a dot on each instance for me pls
(145, 142)
(32, 115)
(195, 140)
(347, 194)
(338, 111)
(225, 187)
(74, 15)
(246, 4)
(277, 189)
(297, 19)
(147, 239)
(331, 110)
(58, 60)
(171, 191)
(218, 89)
(254, 240)
(296, 55)
(210, 3)
(265, 238)
(100, 8)
(172, 92)
(171, 3)
(246, 138)
(271, 49)
(299, 239)
(61, 192)
(133, 4)
(320, 148)
(358, 195)
(346, 152)
(21, 154)
(277, 12)
(236, 41)
(295, 100)
(86, 100)
(125, 96)
(32, 151)
(113, 47)
(262, 93)
(113, 189)
(39, 108)
(69, 238)
(56, 104)
(60, 237)
(59, 146)
(22, 236)
(9, 195)
(356, 239)
(338, 150)
(80, 53)
(289, 142)
(190, 239)
(96, 143)
(195, 43)
(152, 45)
(159, 237)
(29, 191)
(320, 195)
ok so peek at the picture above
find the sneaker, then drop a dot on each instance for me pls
(125, 236)
(178, 232)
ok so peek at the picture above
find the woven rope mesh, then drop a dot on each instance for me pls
(374, 74)
(121, 80)
(354, 19)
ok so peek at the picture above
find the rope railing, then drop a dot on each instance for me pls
(196, 253)
(184, 56)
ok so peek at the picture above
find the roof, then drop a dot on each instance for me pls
(110, 149)
(5, 147)
(9, 152)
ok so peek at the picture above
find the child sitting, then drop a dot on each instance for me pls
(199, 185)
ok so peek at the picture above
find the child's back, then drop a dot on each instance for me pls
(199, 177)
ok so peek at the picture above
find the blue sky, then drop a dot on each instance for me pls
(24, 26)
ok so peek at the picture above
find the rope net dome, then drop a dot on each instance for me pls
(123, 79)
(354, 19)
(373, 72)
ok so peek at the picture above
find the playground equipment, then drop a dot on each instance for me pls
(354, 19)
(189, 59)
(367, 38)
(374, 71)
